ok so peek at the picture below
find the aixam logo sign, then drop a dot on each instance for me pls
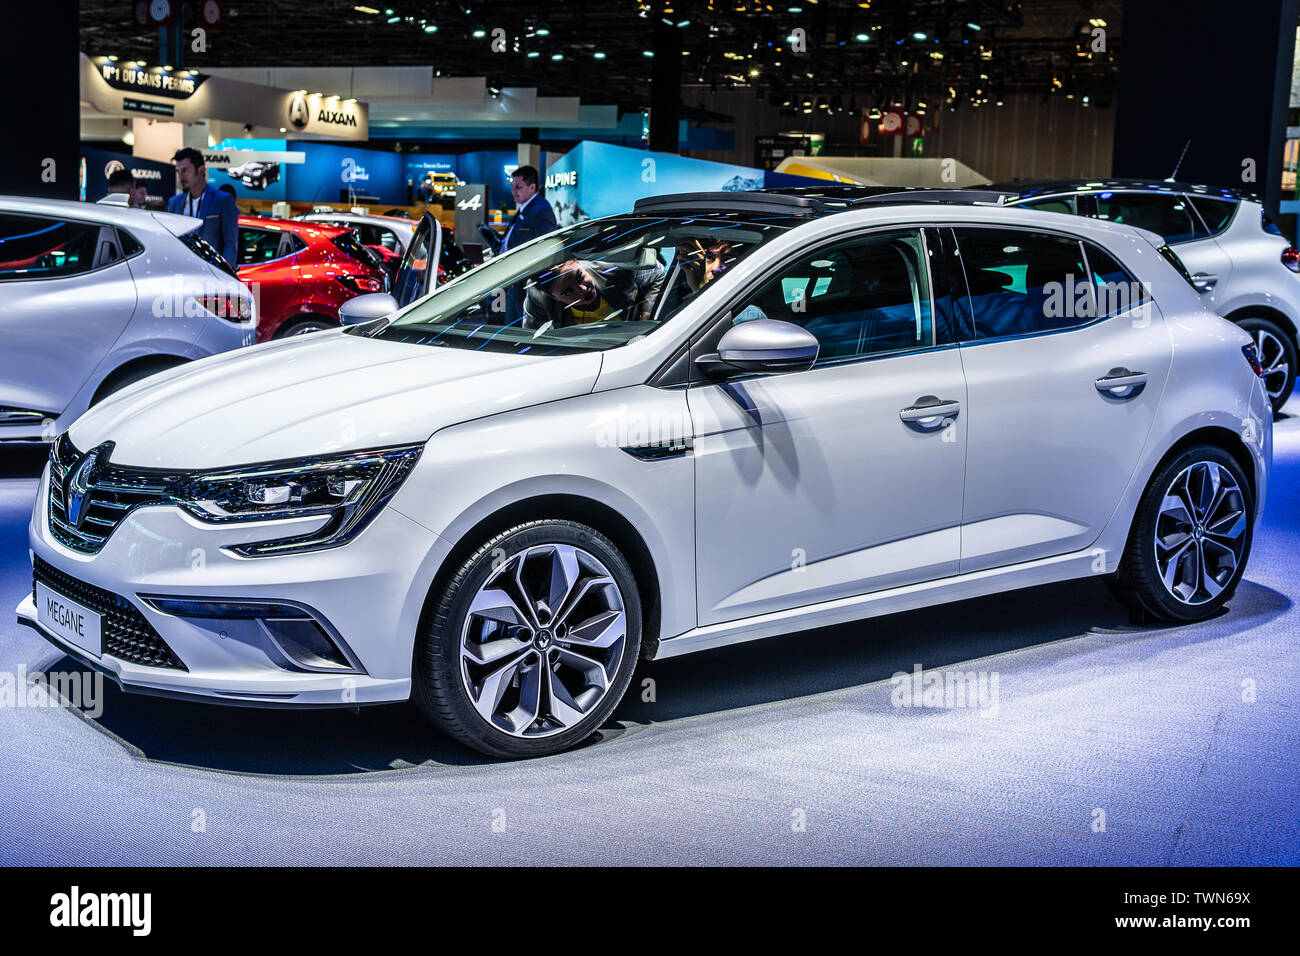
(299, 111)
(336, 118)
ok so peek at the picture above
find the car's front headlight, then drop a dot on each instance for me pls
(350, 489)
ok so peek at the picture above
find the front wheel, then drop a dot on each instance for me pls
(532, 642)
(1191, 537)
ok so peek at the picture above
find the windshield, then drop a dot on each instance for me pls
(597, 285)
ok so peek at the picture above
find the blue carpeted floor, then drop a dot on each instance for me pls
(784, 751)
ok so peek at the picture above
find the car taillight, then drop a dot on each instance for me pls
(1252, 356)
(225, 305)
(1291, 258)
(361, 283)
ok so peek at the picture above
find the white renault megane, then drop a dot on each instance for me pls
(718, 418)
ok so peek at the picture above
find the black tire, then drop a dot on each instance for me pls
(438, 688)
(304, 326)
(121, 379)
(1280, 386)
(1138, 582)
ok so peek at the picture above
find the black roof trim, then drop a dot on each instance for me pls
(749, 201)
(1049, 187)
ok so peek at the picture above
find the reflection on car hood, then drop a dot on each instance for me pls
(316, 394)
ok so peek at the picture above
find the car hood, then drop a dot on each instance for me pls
(316, 394)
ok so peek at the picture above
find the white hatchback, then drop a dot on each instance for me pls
(717, 418)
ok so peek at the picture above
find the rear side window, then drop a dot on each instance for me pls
(1023, 282)
(1115, 288)
(1172, 258)
(349, 243)
(1064, 204)
(207, 252)
(1268, 225)
(1165, 214)
(33, 247)
(1216, 213)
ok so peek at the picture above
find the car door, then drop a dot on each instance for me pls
(417, 274)
(1172, 216)
(66, 294)
(1065, 359)
(845, 478)
(268, 265)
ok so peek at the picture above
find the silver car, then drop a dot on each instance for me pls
(717, 418)
(96, 297)
(1237, 256)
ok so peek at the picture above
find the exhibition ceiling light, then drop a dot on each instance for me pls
(608, 47)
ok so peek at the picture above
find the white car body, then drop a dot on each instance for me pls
(67, 336)
(806, 505)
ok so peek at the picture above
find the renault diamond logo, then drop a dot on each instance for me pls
(77, 484)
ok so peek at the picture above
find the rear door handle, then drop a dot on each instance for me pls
(1119, 382)
(929, 411)
(1204, 281)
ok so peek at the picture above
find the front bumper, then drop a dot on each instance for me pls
(368, 594)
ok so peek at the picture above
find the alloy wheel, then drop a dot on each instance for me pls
(1272, 358)
(542, 640)
(1200, 532)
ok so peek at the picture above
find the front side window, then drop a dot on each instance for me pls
(1023, 283)
(597, 285)
(33, 247)
(1165, 214)
(863, 296)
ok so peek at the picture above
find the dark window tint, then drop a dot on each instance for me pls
(1216, 213)
(1165, 214)
(863, 296)
(1172, 258)
(1116, 290)
(1024, 282)
(259, 245)
(348, 243)
(130, 245)
(1268, 225)
(32, 247)
(206, 251)
(1064, 205)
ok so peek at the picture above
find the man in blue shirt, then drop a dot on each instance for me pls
(199, 199)
(533, 217)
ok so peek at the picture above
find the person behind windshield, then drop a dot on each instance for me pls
(702, 262)
(577, 292)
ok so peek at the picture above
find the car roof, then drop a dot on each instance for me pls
(1026, 189)
(308, 230)
(812, 202)
(124, 216)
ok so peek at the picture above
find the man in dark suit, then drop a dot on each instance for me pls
(578, 292)
(533, 217)
(199, 199)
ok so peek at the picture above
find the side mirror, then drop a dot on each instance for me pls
(763, 345)
(366, 308)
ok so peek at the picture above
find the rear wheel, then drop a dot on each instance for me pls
(533, 641)
(1277, 354)
(1191, 537)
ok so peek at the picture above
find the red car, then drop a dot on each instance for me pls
(301, 273)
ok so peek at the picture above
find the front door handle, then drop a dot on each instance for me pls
(929, 411)
(1119, 382)
(1204, 281)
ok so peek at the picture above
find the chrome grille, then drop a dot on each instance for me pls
(110, 495)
